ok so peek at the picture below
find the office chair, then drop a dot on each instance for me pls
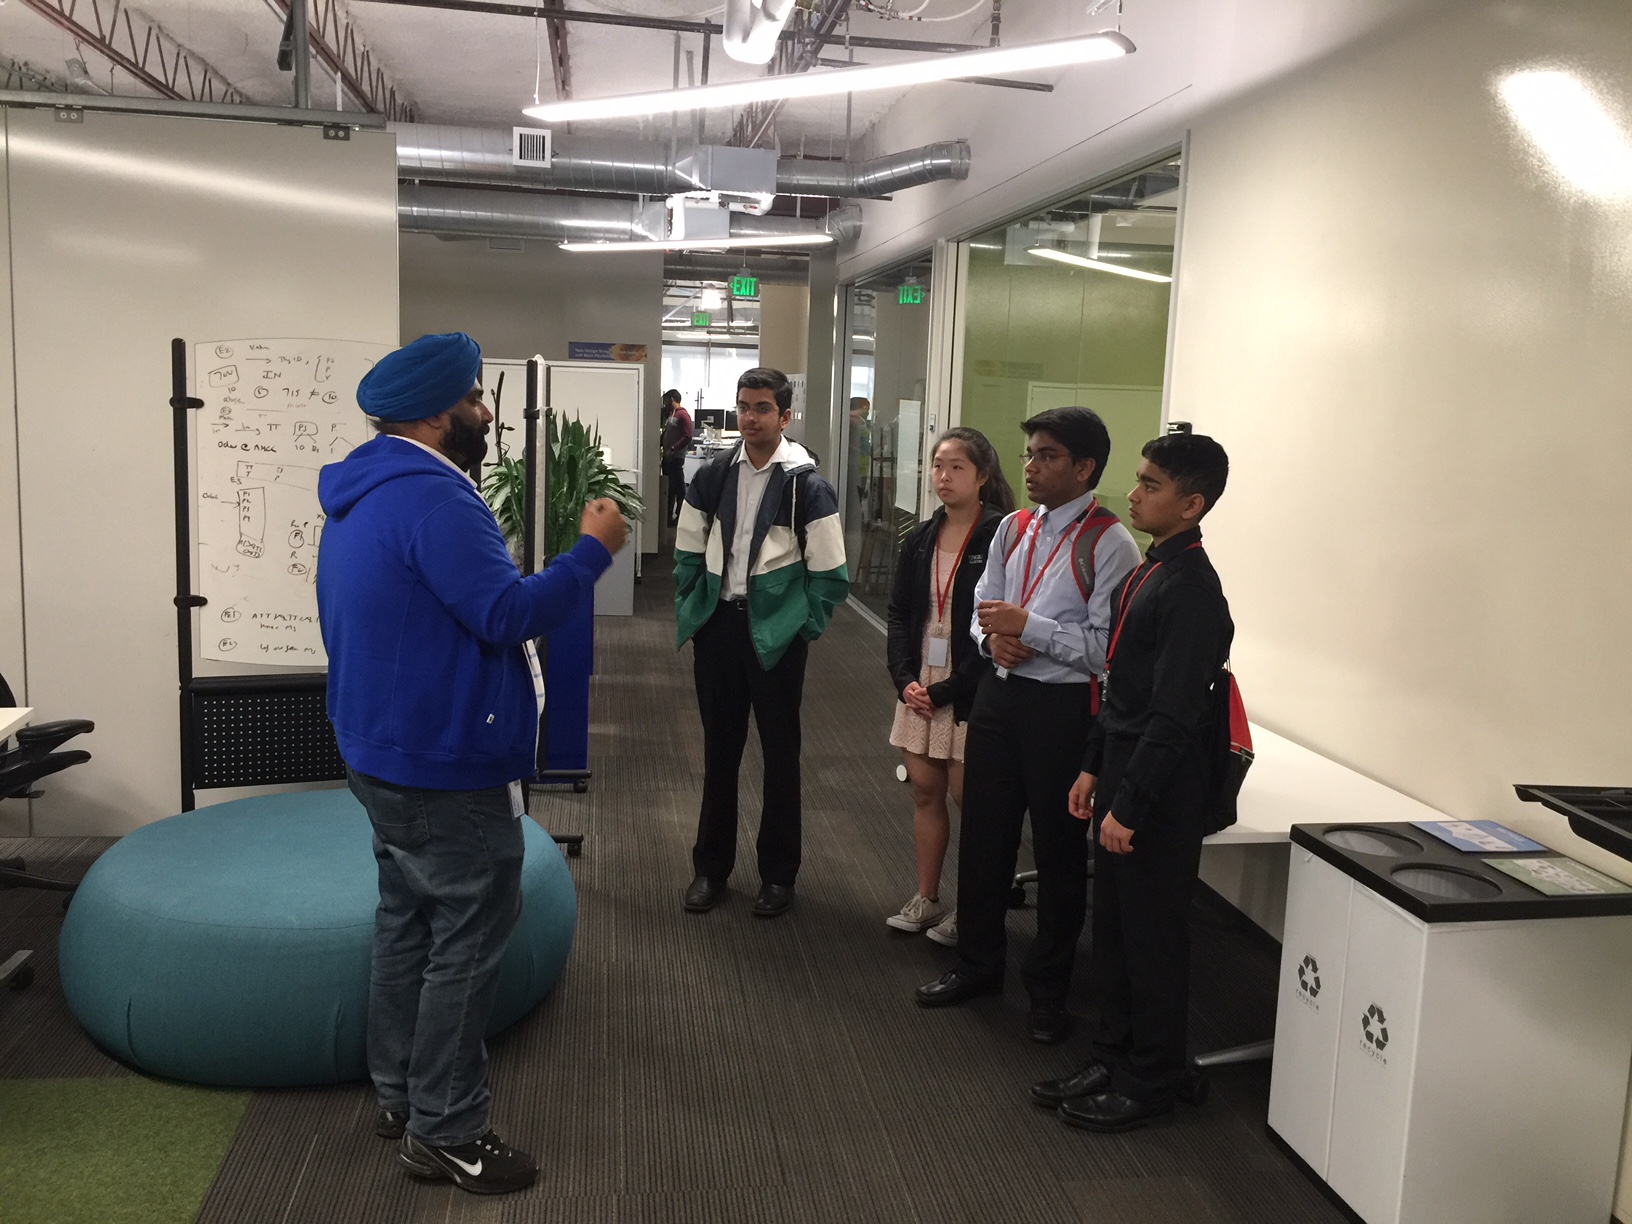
(38, 754)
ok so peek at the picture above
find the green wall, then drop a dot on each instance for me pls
(1050, 324)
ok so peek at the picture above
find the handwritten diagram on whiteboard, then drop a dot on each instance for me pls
(275, 411)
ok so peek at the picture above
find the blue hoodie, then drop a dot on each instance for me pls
(424, 616)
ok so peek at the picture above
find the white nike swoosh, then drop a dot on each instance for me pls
(475, 1170)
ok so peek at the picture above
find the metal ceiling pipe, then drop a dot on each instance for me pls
(878, 176)
(771, 269)
(518, 214)
(444, 153)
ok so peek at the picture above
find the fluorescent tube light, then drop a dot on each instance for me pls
(1078, 261)
(1572, 129)
(998, 61)
(704, 244)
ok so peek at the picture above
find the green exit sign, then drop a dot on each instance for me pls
(744, 286)
(910, 295)
(701, 318)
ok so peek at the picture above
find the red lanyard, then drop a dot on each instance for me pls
(1127, 598)
(1028, 588)
(941, 596)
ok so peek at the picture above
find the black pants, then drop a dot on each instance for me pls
(1023, 752)
(1141, 955)
(730, 682)
(675, 470)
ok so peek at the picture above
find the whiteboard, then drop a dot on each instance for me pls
(275, 411)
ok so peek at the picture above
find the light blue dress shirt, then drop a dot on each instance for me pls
(1069, 636)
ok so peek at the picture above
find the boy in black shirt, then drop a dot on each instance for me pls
(1148, 777)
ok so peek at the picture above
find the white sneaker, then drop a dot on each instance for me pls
(917, 914)
(945, 932)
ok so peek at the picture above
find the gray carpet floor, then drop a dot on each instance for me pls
(719, 1068)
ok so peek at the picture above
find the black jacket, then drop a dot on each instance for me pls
(909, 613)
(1175, 633)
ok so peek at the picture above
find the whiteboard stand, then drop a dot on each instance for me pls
(248, 730)
(535, 540)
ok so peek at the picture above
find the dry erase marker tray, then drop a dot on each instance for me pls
(1436, 882)
(1601, 815)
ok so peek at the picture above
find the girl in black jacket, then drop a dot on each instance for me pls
(936, 665)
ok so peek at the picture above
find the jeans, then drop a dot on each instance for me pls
(450, 894)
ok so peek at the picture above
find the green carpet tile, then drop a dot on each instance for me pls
(110, 1151)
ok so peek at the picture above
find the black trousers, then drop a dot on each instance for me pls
(730, 683)
(1141, 953)
(675, 470)
(1023, 752)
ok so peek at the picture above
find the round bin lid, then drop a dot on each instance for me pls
(1448, 882)
(1361, 839)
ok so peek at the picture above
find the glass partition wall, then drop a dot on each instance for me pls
(887, 320)
(1070, 306)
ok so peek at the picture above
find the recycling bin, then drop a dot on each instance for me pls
(1450, 1043)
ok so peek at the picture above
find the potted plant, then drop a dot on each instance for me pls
(579, 473)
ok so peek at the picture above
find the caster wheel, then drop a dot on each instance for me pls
(580, 787)
(1017, 897)
(575, 851)
(23, 978)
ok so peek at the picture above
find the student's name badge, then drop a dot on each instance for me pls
(940, 651)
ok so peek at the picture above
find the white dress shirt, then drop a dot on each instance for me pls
(751, 482)
(1068, 635)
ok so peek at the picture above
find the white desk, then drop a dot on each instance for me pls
(12, 717)
(1288, 785)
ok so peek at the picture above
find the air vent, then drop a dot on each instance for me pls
(531, 147)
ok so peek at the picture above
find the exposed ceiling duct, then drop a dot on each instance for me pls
(520, 214)
(442, 153)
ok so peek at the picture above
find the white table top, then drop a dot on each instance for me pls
(1288, 784)
(12, 717)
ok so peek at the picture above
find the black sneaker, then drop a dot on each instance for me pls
(390, 1123)
(486, 1166)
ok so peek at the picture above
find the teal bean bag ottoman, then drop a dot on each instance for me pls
(231, 945)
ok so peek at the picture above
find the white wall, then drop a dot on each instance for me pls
(126, 231)
(537, 300)
(1414, 344)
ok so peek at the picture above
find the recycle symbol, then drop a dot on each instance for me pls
(1374, 1028)
(1309, 977)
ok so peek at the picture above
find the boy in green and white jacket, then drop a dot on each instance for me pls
(758, 569)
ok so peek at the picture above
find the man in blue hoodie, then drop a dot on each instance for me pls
(435, 694)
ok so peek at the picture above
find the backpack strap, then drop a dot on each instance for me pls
(1017, 532)
(1100, 520)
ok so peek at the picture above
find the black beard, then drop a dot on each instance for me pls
(465, 443)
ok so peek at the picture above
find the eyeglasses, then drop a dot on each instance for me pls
(758, 410)
(1042, 458)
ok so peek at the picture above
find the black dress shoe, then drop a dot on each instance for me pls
(1111, 1111)
(773, 900)
(1050, 1023)
(952, 988)
(703, 894)
(390, 1123)
(1095, 1077)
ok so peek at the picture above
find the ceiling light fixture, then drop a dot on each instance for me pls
(1078, 261)
(704, 244)
(1572, 129)
(997, 61)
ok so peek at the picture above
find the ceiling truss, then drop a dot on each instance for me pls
(335, 43)
(139, 46)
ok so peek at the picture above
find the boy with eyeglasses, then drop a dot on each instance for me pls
(758, 569)
(1043, 614)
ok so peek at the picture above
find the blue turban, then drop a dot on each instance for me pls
(421, 379)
